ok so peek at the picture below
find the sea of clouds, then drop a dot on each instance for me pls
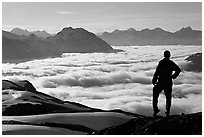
(113, 80)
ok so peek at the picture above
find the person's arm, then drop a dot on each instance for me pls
(177, 71)
(156, 75)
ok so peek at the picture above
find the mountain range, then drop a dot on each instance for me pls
(38, 33)
(21, 47)
(157, 36)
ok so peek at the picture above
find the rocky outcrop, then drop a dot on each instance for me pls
(21, 98)
(157, 36)
(190, 124)
(194, 63)
(24, 85)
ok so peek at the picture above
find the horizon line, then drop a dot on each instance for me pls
(41, 29)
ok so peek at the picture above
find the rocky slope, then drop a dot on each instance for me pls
(190, 124)
(157, 36)
(29, 112)
(195, 62)
(16, 47)
(21, 98)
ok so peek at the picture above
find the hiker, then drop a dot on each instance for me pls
(162, 80)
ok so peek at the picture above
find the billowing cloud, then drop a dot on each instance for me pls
(93, 79)
(112, 80)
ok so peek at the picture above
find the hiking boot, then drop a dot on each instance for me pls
(156, 112)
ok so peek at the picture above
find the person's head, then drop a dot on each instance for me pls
(167, 54)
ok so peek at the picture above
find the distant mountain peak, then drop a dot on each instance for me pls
(131, 30)
(20, 31)
(17, 28)
(145, 30)
(186, 29)
(189, 28)
(70, 29)
(25, 32)
(158, 29)
(156, 36)
(67, 28)
(116, 31)
(18, 47)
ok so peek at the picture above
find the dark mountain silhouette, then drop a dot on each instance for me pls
(16, 47)
(35, 109)
(13, 36)
(38, 33)
(157, 36)
(43, 33)
(78, 40)
(195, 63)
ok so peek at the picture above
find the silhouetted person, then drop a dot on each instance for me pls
(162, 80)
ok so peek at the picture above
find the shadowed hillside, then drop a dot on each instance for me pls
(190, 124)
(16, 47)
(78, 40)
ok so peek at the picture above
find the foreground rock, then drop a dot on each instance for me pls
(29, 112)
(190, 124)
(21, 98)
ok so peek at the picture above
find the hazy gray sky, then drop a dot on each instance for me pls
(99, 16)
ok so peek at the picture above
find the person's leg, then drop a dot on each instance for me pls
(168, 94)
(156, 91)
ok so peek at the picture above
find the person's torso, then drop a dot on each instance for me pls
(165, 71)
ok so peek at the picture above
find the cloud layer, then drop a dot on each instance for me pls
(112, 80)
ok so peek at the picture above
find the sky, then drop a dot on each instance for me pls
(101, 16)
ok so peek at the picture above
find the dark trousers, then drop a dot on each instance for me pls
(157, 89)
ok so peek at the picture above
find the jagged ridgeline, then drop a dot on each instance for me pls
(22, 47)
(38, 33)
(157, 36)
